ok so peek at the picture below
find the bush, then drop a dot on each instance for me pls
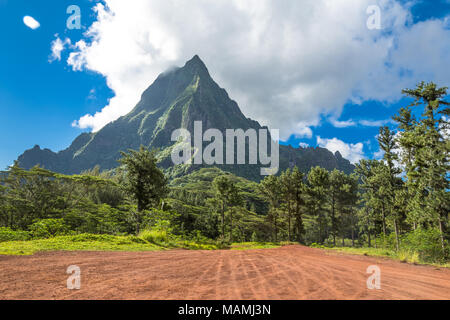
(99, 219)
(427, 244)
(154, 236)
(7, 234)
(48, 228)
(316, 245)
(422, 245)
(386, 241)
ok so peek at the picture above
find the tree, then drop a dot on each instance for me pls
(371, 195)
(392, 183)
(229, 197)
(427, 173)
(337, 180)
(235, 200)
(299, 192)
(145, 182)
(221, 186)
(287, 185)
(348, 199)
(4, 221)
(30, 195)
(271, 189)
(318, 191)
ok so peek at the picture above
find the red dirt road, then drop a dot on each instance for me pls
(292, 272)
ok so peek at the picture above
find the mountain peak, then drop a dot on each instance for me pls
(196, 63)
(177, 99)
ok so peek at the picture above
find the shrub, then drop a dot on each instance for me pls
(100, 219)
(426, 243)
(316, 245)
(386, 241)
(47, 228)
(154, 236)
(420, 245)
(7, 234)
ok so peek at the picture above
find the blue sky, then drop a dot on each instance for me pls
(40, 99)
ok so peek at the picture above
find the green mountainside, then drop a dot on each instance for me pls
(176, 99)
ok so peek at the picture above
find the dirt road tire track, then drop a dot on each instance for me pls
(292, 272)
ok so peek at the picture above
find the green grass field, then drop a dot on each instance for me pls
(91, 242)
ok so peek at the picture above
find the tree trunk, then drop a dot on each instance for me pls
(231, 225)
(289, 227)
(353, 236)
(299, 227)
(441, 231)
(299, 222)
(276, 229)
(289, 220)
(223, 220)
(333, 221)
(353, 226)
(397, 241)
(138, 223)
(368, 235)
(384, 219)
(138, 217)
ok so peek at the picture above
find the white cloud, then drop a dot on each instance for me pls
(364, 123)
(303, 145)
(285, 62)
(58, 46)
(31, 23)
(378, 155)
(303, 131)
(445, 127)
(343, 124)
(352, 152)
(375, 123)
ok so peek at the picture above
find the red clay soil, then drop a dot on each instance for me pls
(292, 272)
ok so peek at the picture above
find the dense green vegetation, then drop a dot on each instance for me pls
(398, 204)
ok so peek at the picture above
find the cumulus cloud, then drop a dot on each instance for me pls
(303, 131)
(352, 152)
(31, 23)
(285, 62)
(57, 47)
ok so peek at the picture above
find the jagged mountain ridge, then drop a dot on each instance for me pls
(175, 100)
